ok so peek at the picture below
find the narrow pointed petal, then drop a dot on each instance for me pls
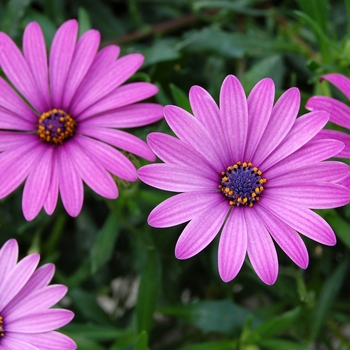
(9, 140)
(133, 116)
(200, 231)
(183, 207)
(71, 184)
(207, 112)
(122, 96)
(300, 219)
(303, 130)
(282, 118)
(8, 257)
(84, 55)
(61, 55)
(234, 116)
(340, 81)
(119, 72)
(260, 103)
(261, 250)
(176, 178)
(37, 185)
(52, 194)
(120, 139)
(34, 50)
(18, 72)
(232, 245)
(11, 121)
(287, 238)
(190, 130)
(17, 278)
(336, 135)
(339, 112)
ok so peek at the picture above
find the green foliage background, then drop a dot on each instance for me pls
(126, 288)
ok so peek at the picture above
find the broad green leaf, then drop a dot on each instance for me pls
(142, 341)
(162, 50)
(102, 250)
(221, 316)
(181, 99)
(84, 20)
(148, 291)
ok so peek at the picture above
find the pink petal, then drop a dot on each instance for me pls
(61, 55)
(11, 121)
(200, 231)
(84, 54)
(34, 50)
(232, 245)
(183, 207)
(282, 118)
(287, 238)
(261, 250)
(234, 117)
(17, 71)
(191, 131)
(11, 343)
(177, 178)
(117, 74)
(336, 135)
(118, 138)
(70, 182)
(122, 96)
(9, 140)
(52, 194)
(133, 116)
(340, 81)
(339, 112)
(8, 258)
(37, 185)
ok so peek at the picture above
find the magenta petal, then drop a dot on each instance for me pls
(287, 238)
(340, 81)
(121, 139)
(11, 343)
(122, 96)
(37, 185)
(17, 278)
(232, 245)
(303, 130)
(260, 103)
(176, 178)
(234, 116)
(8, 257)
(182, 208)
(10, 121)
(282, 118)
(200, 231)
(110, 158)
(139, 114)
(336, 135)
(190, 130)
(61, 55)
(71, 184)
(84, 54)
(261, 250)
(339, 112)
(118, 73)
(92, 172)
(300, 219)
(52, 194)
(16, 69)
(34, 50)
(10, 140)
(37, 322)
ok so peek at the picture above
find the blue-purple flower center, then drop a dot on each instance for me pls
(56, 126)
(2, 331)
(242, 184)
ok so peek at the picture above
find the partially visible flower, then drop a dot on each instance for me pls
(27, 321)
(61, 128)
(339, 112)
(249, 169)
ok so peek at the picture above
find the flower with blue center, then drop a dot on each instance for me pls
(60, 118)
(249, 170)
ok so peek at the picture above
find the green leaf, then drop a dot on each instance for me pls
(339, 225)
(181, 99)
(148, 291)
(160, 51)
(221, 316)
(219, 345)
(102, 250)
(327, 296)
(84, 20)
(277, 344)
(142, 341)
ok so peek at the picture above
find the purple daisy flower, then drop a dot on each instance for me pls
(339, 112)
(250, 169)
(26, 320)
(59, 129)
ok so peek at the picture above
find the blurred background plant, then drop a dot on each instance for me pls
(125, 286)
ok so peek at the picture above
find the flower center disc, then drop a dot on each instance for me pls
(56, 126)
(242, 184)
(2, 331)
